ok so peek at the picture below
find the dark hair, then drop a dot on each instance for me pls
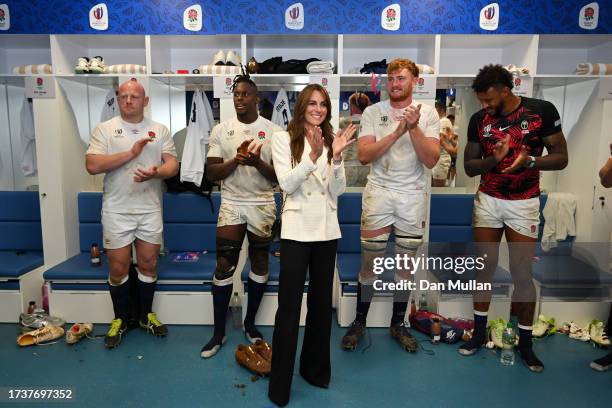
(243, 77)
(492, 76)
(296, 130)
(360, 100)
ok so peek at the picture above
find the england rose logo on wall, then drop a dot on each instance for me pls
(589, 16)
(5, 17)
(390, 17)
(192, 15)
(192, 18)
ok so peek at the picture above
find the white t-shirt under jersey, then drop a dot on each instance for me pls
(246, 185)
(399, 168)
(121, 193)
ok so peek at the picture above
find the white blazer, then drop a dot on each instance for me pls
(311, 192)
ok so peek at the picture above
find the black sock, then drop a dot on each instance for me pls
(480, 327)
(525, 350)
(120, 295)
(525, 338)
(146, 291)
(399, 311)
(364, 298)
(256, 292)
(221, 300)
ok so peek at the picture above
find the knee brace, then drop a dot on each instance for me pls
(407, 244)
(375, 244)
(258, 254)
(371, 248)
(228, 252)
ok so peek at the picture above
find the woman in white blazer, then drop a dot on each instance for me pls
(308, 164)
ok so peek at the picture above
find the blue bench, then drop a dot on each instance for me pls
(21, 250)
(189, 226)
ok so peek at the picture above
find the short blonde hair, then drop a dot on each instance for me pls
(400, 63)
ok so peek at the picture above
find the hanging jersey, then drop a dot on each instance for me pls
(246, 185)
(281, 114)
(528, 125)
(198, 134)
(110, 108)
(28, 142)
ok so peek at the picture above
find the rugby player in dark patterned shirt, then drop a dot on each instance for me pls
(505, 144)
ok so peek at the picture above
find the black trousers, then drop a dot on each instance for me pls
(318, 258)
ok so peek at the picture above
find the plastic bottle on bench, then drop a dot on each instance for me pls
(236, 307)
(507, 353)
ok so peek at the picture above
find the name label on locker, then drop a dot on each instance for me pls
(40, 87)
(425, 88)
(222, 87)
(523, 86)
(329, 82)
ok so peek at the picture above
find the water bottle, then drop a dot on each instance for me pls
(423, 302)
(236, 307)
(94, 253)
(507, 353)
(31, 307)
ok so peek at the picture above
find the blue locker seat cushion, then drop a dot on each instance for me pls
(78, 268)
(14, 264)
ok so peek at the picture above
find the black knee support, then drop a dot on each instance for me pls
(258, 254)
(228, 252)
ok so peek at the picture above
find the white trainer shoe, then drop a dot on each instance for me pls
(232, 59)
(82, 66)
(96, 65)
(218, 58)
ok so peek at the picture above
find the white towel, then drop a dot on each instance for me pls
(125, 69)
(219, 69)
(518, 71)
(559, 219)
(320, 67)
(33, 69)
(593, 68)
(425, 69)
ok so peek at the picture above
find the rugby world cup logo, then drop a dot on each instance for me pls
(294, 16)
(98, 13)
(489, 17)
(98, 17)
